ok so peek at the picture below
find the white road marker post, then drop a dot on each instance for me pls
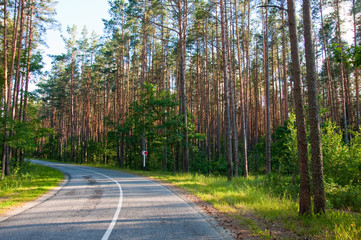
(144, 153)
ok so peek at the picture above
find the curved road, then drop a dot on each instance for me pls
(105, 204)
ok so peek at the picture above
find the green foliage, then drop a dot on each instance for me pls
(340, 197)
(26, 135)
(200, 164)
(287, 186)
(258, 154)
(355, 53)
(155, 115)
(342, 168)
(36, 64)
(97, 152)
(284, 147)
(23, 135)
(354, 161)
(351, 55)
(334, 155)
(342, 164)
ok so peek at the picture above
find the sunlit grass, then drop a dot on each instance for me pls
(255, 195)
(27, 185)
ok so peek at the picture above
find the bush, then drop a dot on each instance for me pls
(342, 163)
(344, 197)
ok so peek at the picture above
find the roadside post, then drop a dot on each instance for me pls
(144, 153)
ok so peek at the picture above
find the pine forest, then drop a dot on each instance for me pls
(232, 88)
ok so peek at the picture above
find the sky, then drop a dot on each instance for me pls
(81, 13)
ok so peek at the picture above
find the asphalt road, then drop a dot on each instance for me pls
(104, 204)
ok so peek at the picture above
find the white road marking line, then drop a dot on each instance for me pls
(116, 214)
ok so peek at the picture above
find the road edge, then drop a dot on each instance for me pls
(46, 196)
(224, 232)
(210, 219)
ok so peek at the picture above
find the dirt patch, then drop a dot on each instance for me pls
(4, 198)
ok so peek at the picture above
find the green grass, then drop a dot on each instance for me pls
(27, 185)
(255, 196)
(263, 199)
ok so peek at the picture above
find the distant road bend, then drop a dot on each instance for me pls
(105, 204)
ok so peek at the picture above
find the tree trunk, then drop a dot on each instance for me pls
(72, 149)
(243, 97)
(356, 71)
(268, 115)
(6, 149)
(182, 28)
(28, 61)
(232, 102)
(217, 93)
(226, 94)
(315, 133)
(305, 192)
(4, 153)
(328, 65)
(284, 61)
(144, 65)
(343, 82)
(256, 96)
(17, 75)
(207, 102)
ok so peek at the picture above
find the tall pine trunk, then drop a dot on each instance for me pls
(356, 69)
(4, 153)
(328, 65)
(305, 192)
(268, 115)
(284, 63)
(342, 76)
(19, 52)
(315, 132)
(232, 101)
(228, 130)
(243, 96)
(28, 61)
(182, 26)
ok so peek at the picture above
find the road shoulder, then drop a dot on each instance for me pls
(225, 224)
(28, 205)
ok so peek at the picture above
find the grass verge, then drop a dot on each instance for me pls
(27, 185)
(256, 196)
